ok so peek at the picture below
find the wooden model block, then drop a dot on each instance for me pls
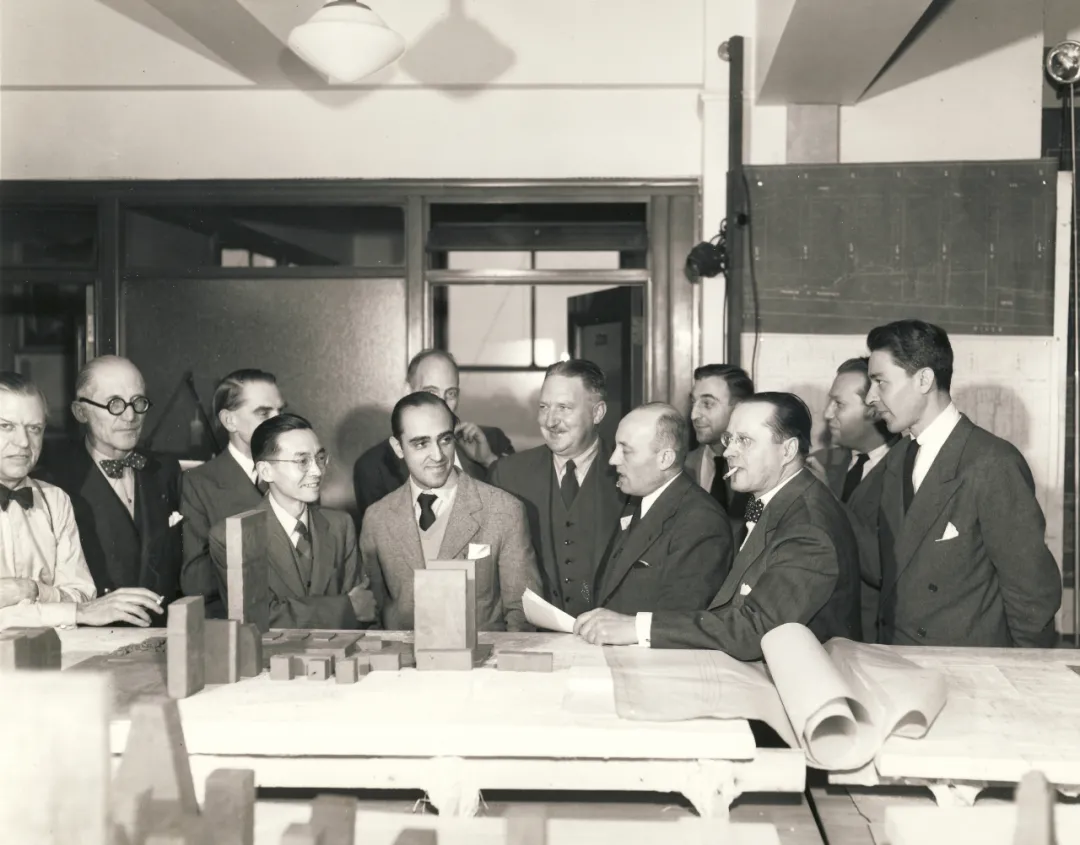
(526, 826)
(334, 818)
(368, 644)
(272, 636)
(54, 758)
(417, 836)
(297, 634)
(470, 594)
(386, 662)
(319, 668)
(186, 626)
(323, 636)
(29, 648)
(222, 654)
(281, 668)
(408, 656)
(246, 587)
(441, 603)
(301, 834)
(1035, 811)
(341, 646)
(229, 806)
(348, 671)
(251, 657)
(525, 661)
(451, 660)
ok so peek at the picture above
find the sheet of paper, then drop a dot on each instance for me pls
(543, 614)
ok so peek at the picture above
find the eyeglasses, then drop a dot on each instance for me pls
(305, 463)
(740, 441)
(117, 406)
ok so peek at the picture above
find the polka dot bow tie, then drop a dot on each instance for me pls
(115, 469)
(753, 509)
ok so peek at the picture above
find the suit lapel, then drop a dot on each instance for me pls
(322, 552)
(97, 488)
(402, 527)
(229, 474)
(279, 552)
(150, 519)
(836, 470)
(462, 524)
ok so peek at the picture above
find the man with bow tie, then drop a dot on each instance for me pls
(798, 563)
(126, 500)
(44, 579)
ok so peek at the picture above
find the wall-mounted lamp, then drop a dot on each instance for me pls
(1063, 63)
(346, 41)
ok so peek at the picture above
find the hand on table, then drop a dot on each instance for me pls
(127, 604)
(363, 601)
(15, 590)
(474, 443)
(606, 627)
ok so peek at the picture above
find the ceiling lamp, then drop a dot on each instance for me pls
(1063, 63)
(346, 41)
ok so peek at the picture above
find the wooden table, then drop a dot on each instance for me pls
(455, 734)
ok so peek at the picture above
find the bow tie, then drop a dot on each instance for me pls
(115, 469)
(754, 507)
(24, 496)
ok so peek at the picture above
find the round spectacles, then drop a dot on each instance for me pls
(117, 406)
(740, 441)
(305, 463)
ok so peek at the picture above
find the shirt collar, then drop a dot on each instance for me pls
(935, 434)
(768, 496)
(445, 492)
(585, 459)
(246, 463)
(96, 455)
(648, 501)
(287, 520)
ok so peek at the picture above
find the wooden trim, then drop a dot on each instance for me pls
(109, 316)
(682, 226)
(417, 311)
(658, 349)
(537, 277)
(158, 274)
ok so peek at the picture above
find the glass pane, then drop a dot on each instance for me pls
(32, 236)
(577, 261)
(552, 305)
(489, 324)
(191, 237)
(489, 261)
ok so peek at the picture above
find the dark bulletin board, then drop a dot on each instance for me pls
(837, 249)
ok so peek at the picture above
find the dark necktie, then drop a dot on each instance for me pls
(115, 469)
(569, 487)
(427, 513)
(754, 509)
(24, 496)
(853, 477)
(718, 490)
(909, 472)
(303, 552)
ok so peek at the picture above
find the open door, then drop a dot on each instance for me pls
(608, 328)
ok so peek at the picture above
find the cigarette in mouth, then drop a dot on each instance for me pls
(730, 472)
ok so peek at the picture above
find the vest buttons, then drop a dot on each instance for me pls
(933, 588)
(921, 632)
(566, 580)
(567, 542)
(569, 523)
(568, 562)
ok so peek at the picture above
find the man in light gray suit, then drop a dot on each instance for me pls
(443, 514)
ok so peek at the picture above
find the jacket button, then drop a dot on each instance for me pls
(921, 632)
(566, 580)
(933, 588)
(567, 542)
(568, 562)
(569, 523)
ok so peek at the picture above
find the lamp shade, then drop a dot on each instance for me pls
(1063, 63)
(346, 41)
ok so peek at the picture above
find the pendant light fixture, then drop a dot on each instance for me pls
(346, 41)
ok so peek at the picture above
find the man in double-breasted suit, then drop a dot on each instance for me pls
(964, 561)
(799, 561)
(310, 554)
(676, 548)
(441, 513)
(229, 483)
(126, 500)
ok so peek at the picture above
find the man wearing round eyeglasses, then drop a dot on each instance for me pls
(798, 563)
(310, 553)
(126, 500)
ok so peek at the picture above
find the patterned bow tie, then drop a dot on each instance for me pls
(115, 469)
(754, 507)
(24, 496)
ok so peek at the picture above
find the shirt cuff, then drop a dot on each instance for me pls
(60, 614)
(643, 625)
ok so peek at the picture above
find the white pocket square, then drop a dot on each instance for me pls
(624, 521)
(950, 533)
(174, 518)
(745, 589)
(643, 562)
(479, 550)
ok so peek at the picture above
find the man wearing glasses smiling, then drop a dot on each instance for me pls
(310, 553)
(126, 501)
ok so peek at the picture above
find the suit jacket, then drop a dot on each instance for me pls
(799, 564)
(208, 494)
(335, 568)
(736, 509)
(379, 471)
(122, 551)
(480, 515)
(675, 557)
(993, 584)
(530, 476)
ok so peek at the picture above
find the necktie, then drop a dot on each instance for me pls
(853, 477)
(303, 552)
(635, 518)
(754, 509)
(909, 473)
(569, 487)
(427, 513)
(115, 469)
(718, 490)
(24, 496)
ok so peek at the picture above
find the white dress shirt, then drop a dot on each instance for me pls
(581, 463)
(873, 458)
(707, 470)
(124, 485)
(444, 497)
(288, 521)
(648, 501)
(42, 545)
(246, 463)
(643, 621)
(930, 443)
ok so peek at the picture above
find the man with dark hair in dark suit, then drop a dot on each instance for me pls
(126, 501)
(228, 484)
(310, 553)
(675, 548)
(964, 561)
(569, 489)
(854, 469)
(799, 562)
(379, 470)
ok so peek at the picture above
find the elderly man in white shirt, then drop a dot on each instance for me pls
(44, 579)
